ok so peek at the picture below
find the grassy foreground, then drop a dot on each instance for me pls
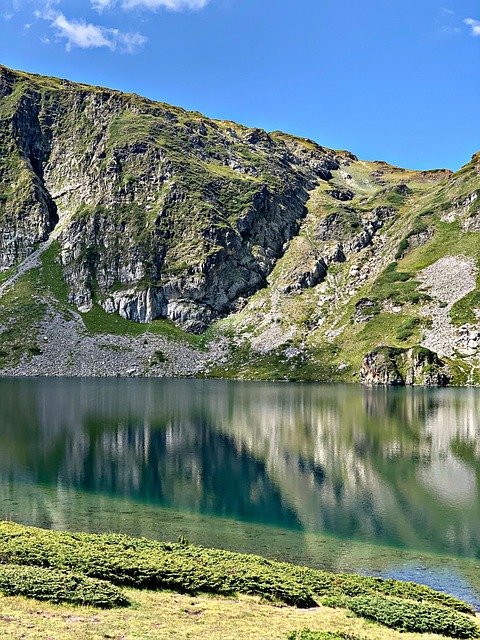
(163, 615)
(138, 588)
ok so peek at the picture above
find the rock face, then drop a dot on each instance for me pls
(400, 367)
(381, 367)
(166, 213)
(27, 211)
(300, 258)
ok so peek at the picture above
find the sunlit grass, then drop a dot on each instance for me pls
(158, 615)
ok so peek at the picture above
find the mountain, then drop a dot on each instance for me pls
(138, 238)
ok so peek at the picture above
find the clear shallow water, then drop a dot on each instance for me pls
(382, 481)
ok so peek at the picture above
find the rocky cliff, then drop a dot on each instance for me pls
(120, 216)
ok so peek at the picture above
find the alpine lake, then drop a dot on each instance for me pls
(379, 481)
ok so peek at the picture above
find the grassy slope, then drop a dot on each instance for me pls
(391, 283)
(164, 614)
(159, 615)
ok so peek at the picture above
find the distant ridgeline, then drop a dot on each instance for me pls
(141, 239)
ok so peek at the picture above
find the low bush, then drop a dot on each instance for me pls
(414, 616)
(306, 634)
(323, 583)
(148, 564)
(145, 564)
(59, 586)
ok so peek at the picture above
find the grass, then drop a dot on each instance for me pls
(319, 364)
(397, 286)
(448, 240)
(21, 310)
(462, 312)
(160, 614)
(5, 275)
(172, 616)
(52, 273)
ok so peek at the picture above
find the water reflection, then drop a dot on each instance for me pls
(399, 467)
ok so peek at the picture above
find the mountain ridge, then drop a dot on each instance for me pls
(287, 259)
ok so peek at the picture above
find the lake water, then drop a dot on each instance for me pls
(379, 481)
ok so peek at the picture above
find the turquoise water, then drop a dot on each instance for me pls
(382, 481)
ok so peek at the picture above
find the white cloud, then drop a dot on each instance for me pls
(79, 33)
(175, 5)
(474, 24)
(101, 5)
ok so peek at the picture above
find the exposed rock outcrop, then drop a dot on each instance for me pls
(399, 367)
(171, 214)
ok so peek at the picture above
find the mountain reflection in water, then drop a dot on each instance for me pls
(397, 467)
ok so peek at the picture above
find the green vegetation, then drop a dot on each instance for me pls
(397, 286)
(148, 564)
(411, 616)
(447, 240)
(59, 586)
(52, 273)
(21, 310)
(287, 362)
(98, 322)
(463, 311)
(306, 634)
(213, 210)
(418, 226)
(80, 568)
(407, 329)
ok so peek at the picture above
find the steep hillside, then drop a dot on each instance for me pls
(138, 238)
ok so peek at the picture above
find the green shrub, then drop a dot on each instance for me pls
(413, 616)
(402, 247)
(148, 564)
(337, 586)
(306, 634)
(59, 586)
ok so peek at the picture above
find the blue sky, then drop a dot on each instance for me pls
(397, 81)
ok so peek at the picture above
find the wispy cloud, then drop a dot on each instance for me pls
(78, 33)
(175, 5)
(101, 5)
(474, 24)
(449, 31)
(447, 23)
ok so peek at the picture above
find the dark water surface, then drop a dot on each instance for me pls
(382, 481)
